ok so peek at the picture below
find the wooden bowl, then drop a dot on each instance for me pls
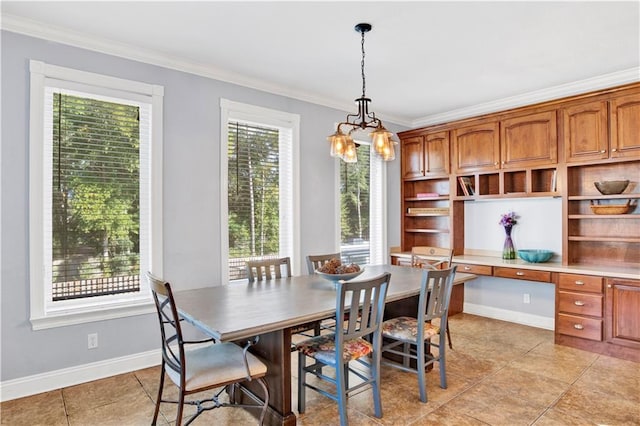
(611, 208)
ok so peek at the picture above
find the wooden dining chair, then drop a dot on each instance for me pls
(427, 257)
(414, 334)
(207, 366)
(357, 339)
(269, 269)
(315, 261)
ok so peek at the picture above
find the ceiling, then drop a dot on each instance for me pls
(425, 61)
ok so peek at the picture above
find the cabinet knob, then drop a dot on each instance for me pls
(603, 151)
(578, 326)
(495, 164)
(579, 282)
(614, 150)
(520, 274)
(467, 268)
(608, 285)
(578, 303)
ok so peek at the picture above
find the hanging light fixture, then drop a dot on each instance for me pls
(342, 144)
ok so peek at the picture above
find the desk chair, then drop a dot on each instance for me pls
(432, 258)
(211, 365)
(357, 338)
(414, 334)
(263, 270)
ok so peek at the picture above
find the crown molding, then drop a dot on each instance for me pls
(605, 81)
(62, 35)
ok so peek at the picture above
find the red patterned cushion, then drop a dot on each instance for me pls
(323, 348)
(406, 328)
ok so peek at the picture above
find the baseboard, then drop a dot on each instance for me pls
(511, 316)
(51, 380)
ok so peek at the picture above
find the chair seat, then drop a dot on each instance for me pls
(216, 364)
(406, 329)
(323, 348)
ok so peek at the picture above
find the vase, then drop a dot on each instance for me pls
(508, 251)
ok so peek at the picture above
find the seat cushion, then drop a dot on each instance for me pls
(323, 348)
(215, 365)
(406, 329)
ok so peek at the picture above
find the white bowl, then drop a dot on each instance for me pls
(338, 277)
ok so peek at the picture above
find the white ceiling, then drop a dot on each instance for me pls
(425, 61)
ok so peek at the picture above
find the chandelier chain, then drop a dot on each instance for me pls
(362, 66)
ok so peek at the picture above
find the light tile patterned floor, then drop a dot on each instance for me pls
(498, 373)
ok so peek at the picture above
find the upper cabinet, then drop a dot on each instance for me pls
(426, 156)
(476, 148)
(586, 135)
(529, 140)
(625, 126)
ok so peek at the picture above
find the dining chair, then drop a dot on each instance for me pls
(268, 269)
(414, 334)
(315, 261)
(208, 366)
(432, 258)
(356, 339)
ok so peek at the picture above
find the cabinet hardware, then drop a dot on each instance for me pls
(578, 326)
(579, 282)
(467, 268)
(614, 150)
(603, 151)
(608, 285)
(520, 274)
(578, 303)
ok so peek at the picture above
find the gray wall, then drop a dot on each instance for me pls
(191, 194)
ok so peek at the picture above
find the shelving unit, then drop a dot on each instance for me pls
(426, 219)
(540, 182)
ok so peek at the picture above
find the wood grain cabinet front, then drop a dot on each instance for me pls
(476, 148)
(623, 312)
(522, 274)
(529, 140)
(426, 156)
(579, 306)
(475, 269)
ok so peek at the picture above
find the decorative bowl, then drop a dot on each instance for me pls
(338, 277)
(611, 187)
(535, 256)
(610, 208)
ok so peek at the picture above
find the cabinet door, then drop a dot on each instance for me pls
(585, 132)
(412, 157)
(622, 320)
(436, 154)
(625, 126)
(529, 140)
(476, 148)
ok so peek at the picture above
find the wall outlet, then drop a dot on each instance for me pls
(92, 341)
(526, 298)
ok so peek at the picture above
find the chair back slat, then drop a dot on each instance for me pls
(431, 257)
(315, 261)
(262, 270)
(360, 321)
(435, 295)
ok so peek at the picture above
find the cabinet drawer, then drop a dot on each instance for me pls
(575, 282)
(522, 274)
(580, 303)
(586, 328)
(474, 269)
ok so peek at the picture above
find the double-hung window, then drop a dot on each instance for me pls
(259, 186)
(362, 208)
(95, 195)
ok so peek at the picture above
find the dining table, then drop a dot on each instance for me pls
(270, 310)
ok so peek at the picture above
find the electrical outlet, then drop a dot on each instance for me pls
(526, 298)
(92, 341)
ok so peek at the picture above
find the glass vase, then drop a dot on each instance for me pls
(508, 251)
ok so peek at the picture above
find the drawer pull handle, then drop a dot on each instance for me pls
(579, 282)
(578, 326)
(578, 303)
(520, 274)
(467, 268)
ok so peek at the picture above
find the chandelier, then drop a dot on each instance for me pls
(342, 144)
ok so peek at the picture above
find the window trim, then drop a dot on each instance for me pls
(231, 110)
(99, 309)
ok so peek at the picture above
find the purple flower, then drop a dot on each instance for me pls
(508, 219)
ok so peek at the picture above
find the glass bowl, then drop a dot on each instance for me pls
(535, 256)
(611, 187)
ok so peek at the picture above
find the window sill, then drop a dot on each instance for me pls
(62, 319)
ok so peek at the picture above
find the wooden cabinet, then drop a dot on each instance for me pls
(579, 306)
(622, 326)
(426, 156)
(529, 140)
(625, 126)
(476, 148)
(475, 269)
(586, 135)
(522, 274)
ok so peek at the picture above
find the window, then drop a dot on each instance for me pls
(95, 196)
(362, 207)
(259, 191)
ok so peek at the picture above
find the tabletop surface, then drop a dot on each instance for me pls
(242, 310)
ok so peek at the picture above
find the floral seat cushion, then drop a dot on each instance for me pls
(323, 348)
(406, 328)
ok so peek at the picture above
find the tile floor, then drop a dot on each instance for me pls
(498, 373)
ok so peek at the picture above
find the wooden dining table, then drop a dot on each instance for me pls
(238, 312)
